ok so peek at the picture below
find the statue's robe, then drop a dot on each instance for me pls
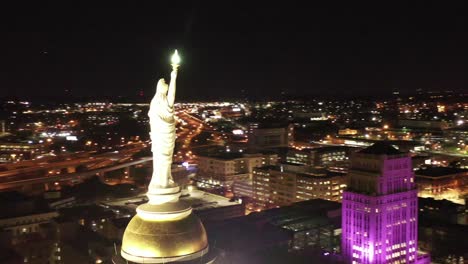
(163, 137)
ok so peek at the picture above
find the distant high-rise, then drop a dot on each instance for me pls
(380, 210)
(264, 136)
(226, 168)
(3, 127)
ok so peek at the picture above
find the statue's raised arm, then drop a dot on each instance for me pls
(172, 89)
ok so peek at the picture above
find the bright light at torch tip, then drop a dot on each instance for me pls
(175, 59)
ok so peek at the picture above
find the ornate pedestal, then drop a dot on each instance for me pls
(164, 232)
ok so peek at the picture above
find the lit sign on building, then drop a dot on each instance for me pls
(238, 132)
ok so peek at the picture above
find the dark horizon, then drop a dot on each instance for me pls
(233, 50)
(450, 96)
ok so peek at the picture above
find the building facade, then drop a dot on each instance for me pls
(334, 156)
(17, 151)
(243, 188)
(229, 167)
(380, 208)
(443, 183)
(283, 185)
(261, 136)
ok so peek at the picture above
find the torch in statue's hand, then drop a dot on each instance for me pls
(175, 62)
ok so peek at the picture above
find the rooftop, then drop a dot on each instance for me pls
(199, 200)
(324, 174)
(260, 229)
(223, 155)
(325, 149)
(444, 205)
(302, 170)
(85, 211)
(314, 208)
(234, 155)
(268, 125)
(381, 148)
(13, 205)
(438, 171)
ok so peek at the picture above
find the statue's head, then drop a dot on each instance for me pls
(162, 87)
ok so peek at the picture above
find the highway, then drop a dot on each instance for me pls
(71, 176)
(46, 168)
(192, 127)
(49, 169)
(447, 154)
(189, 129)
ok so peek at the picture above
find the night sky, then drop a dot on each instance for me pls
(233, 48)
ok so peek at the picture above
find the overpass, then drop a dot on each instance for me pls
(70, 162)
(70, 176)
(48, 166)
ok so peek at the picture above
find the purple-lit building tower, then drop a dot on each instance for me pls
(380, 208)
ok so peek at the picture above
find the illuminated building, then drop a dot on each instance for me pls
(2, 129)
(285, 184)
(380, 208)
(312, 224)
(442, 227)
(25, 224)
(442, 183)
(23, 228)
(425, 124)
(232, 112)
(442, 211)
(323, 156)
(225, 168)
(212, 208)
(243, 188)
(403, 145)
(347, 132)
(261, 136)
(15, 151)
(312, 116)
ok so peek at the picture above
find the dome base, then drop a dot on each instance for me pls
(209, 258)
(178, 259)
(164, 233)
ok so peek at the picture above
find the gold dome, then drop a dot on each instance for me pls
(146, 241)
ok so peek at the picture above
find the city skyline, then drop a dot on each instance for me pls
(319, 133)
(260, 175)
(233, 50)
